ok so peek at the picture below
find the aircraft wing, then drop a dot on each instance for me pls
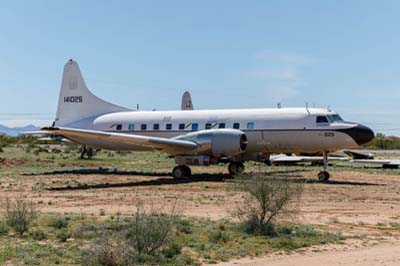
(387, 162)
(171, 146)
(284, 159)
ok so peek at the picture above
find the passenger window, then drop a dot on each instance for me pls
(208, 126)
(322, 119)
(168, 126)
(156, 126)
(250, 125)
(143, 127)
(182, 126)
(221, 125)
(131, 127)
(236, 125)
(195, 126)
(118, 127)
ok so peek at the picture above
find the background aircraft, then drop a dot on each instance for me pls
(200, 137)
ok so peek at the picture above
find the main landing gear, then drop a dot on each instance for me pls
(181, 171)
(235, 168)
(324, 175)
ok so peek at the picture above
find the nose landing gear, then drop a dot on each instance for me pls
(323, 176)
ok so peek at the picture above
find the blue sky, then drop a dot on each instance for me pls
(342, 54)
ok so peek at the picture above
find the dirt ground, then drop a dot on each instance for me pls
(354, 203)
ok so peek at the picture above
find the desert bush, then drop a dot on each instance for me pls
(149, 231)
(265, 200)
(58, 222)
(4, 228)
(63, 235)
(184, 226)
(19, 213)
(144, 238)
(216, 236)
(38, 235)
(105, 252)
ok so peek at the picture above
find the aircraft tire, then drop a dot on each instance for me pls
(235, 168)
(179, 172)
(188, 171)
(323, 176)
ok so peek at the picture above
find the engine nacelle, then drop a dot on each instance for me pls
(218, 142)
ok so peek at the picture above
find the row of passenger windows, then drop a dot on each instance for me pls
(182, 126)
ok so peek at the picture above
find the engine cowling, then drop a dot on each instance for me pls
(218, 142)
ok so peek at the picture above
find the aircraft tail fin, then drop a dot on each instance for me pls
(76, 102)
(186, 101)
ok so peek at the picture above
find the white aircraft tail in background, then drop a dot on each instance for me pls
(186, 101)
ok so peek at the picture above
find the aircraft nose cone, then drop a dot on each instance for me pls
(362, 134)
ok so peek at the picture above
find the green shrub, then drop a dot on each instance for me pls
(216, 236)
(4, 228)
(184, 226)
(58, 222)
(38, 235)
(63, 235)
(172, 250)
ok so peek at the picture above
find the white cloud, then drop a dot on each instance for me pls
(280, 73)
(287, 58)
(24, 122)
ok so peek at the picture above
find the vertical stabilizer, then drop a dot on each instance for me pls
(186, 101)
(76, 102)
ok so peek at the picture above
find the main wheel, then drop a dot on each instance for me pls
(235, 168)
(323, 176)
(179, 172)
(188, 171)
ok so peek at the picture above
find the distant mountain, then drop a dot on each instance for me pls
(15, 131)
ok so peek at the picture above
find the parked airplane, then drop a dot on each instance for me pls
(200, 137)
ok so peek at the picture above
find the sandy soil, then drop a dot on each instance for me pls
(352, 203)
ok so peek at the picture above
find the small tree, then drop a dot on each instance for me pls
(266, 199)
(19, 213)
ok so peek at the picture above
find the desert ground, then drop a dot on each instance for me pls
(358, 201)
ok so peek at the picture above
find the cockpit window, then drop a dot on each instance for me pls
(322, 119)
(337, 118)
(330, 118)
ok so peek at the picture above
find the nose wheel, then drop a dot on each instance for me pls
(323, 176)
(235, 168)
(181, 172)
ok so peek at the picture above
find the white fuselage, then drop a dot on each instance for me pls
(288, 130)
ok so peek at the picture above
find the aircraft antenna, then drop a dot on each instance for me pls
(308, 111)
(279, 105)
(137, 107)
